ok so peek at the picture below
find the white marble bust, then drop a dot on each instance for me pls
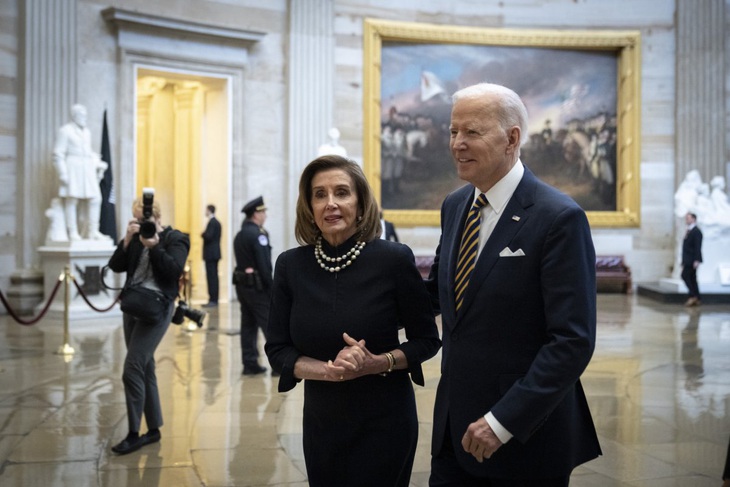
(332, 146)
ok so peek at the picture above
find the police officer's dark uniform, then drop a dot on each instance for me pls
(253, 280)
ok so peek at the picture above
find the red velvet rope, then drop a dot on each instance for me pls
(81, 292)
(35, 320)
(42, 313)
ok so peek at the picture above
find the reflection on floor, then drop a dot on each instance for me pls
(658, 387)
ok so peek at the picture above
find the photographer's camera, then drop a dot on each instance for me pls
(147, 228)
(184, 311)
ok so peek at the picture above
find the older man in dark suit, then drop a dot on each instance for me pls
(514, 280)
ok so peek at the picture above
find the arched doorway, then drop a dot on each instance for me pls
(182, 149)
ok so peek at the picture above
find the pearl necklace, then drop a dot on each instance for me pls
(348, 258)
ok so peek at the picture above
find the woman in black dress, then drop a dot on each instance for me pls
(338, 303)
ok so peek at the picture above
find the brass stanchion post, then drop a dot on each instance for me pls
(187, 271)
(66, 349)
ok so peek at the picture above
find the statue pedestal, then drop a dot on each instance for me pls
(85, 259)
(25, 291)
(714, 256)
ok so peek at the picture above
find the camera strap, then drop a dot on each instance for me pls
(106, 286)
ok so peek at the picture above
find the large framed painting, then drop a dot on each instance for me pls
(581, 89)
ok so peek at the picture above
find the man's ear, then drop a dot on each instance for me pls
(513, 139)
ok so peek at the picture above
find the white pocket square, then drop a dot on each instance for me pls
(506, 252)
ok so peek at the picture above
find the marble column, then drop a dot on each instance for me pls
(700, 113)
(311, 91)
(48, 88)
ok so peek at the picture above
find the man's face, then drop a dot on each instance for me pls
(482, 150)
(260, 217)
(78, 115)
(688, 219)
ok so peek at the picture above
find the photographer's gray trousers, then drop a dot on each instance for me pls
(140, 380)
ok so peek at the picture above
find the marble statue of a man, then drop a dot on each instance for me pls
(79, 171)
(332, 146)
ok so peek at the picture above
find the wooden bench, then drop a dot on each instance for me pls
(612, 273)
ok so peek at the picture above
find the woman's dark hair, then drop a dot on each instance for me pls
(305, 230)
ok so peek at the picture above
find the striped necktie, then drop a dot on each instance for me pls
(468, 250)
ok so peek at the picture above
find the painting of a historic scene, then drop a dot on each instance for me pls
(571, 97)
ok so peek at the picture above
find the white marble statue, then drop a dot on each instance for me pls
(79, 171)
(712, 208)
(720, 200)
(686, 196)
(332, 146)
(57, 222)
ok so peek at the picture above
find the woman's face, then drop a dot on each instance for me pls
(334, 204)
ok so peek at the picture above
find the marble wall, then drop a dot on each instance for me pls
(8, 137)
(263, 132)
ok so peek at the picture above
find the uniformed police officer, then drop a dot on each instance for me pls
(253, 280)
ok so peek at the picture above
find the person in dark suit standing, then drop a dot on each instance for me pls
(212, 254)
(253, 280)
(387, 229)
(691, 258)
(518, 305)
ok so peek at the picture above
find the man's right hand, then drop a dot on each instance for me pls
(480, 440)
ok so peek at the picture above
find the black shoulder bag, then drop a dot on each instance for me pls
(143, 303)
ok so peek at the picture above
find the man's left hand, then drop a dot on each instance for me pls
(480, 440)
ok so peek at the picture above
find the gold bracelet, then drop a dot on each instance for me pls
(391, 363)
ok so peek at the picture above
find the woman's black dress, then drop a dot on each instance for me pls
(361, 432)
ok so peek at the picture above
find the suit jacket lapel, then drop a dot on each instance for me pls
(503, 233)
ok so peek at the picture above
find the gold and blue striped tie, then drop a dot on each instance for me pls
(468, 250)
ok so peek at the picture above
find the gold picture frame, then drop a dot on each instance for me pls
(622, 48)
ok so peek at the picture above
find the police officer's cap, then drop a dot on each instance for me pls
(256, 204)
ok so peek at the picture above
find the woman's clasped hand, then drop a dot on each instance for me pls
(353, 361)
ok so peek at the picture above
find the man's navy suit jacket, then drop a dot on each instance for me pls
(523, 336)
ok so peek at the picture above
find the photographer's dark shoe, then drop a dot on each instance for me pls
(151, 437)
(253, 369)
(129, 444)
(212, 304)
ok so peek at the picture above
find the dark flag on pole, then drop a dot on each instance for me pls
(108, 219)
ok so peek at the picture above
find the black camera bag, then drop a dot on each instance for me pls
(144, 304)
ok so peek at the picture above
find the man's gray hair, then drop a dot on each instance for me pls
(513, 111)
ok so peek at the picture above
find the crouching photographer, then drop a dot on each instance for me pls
(153, 256)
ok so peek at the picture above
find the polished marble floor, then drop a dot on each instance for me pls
(658, 386)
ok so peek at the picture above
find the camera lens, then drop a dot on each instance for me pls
(147, 229)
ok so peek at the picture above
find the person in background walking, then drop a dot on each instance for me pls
(691, 258)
